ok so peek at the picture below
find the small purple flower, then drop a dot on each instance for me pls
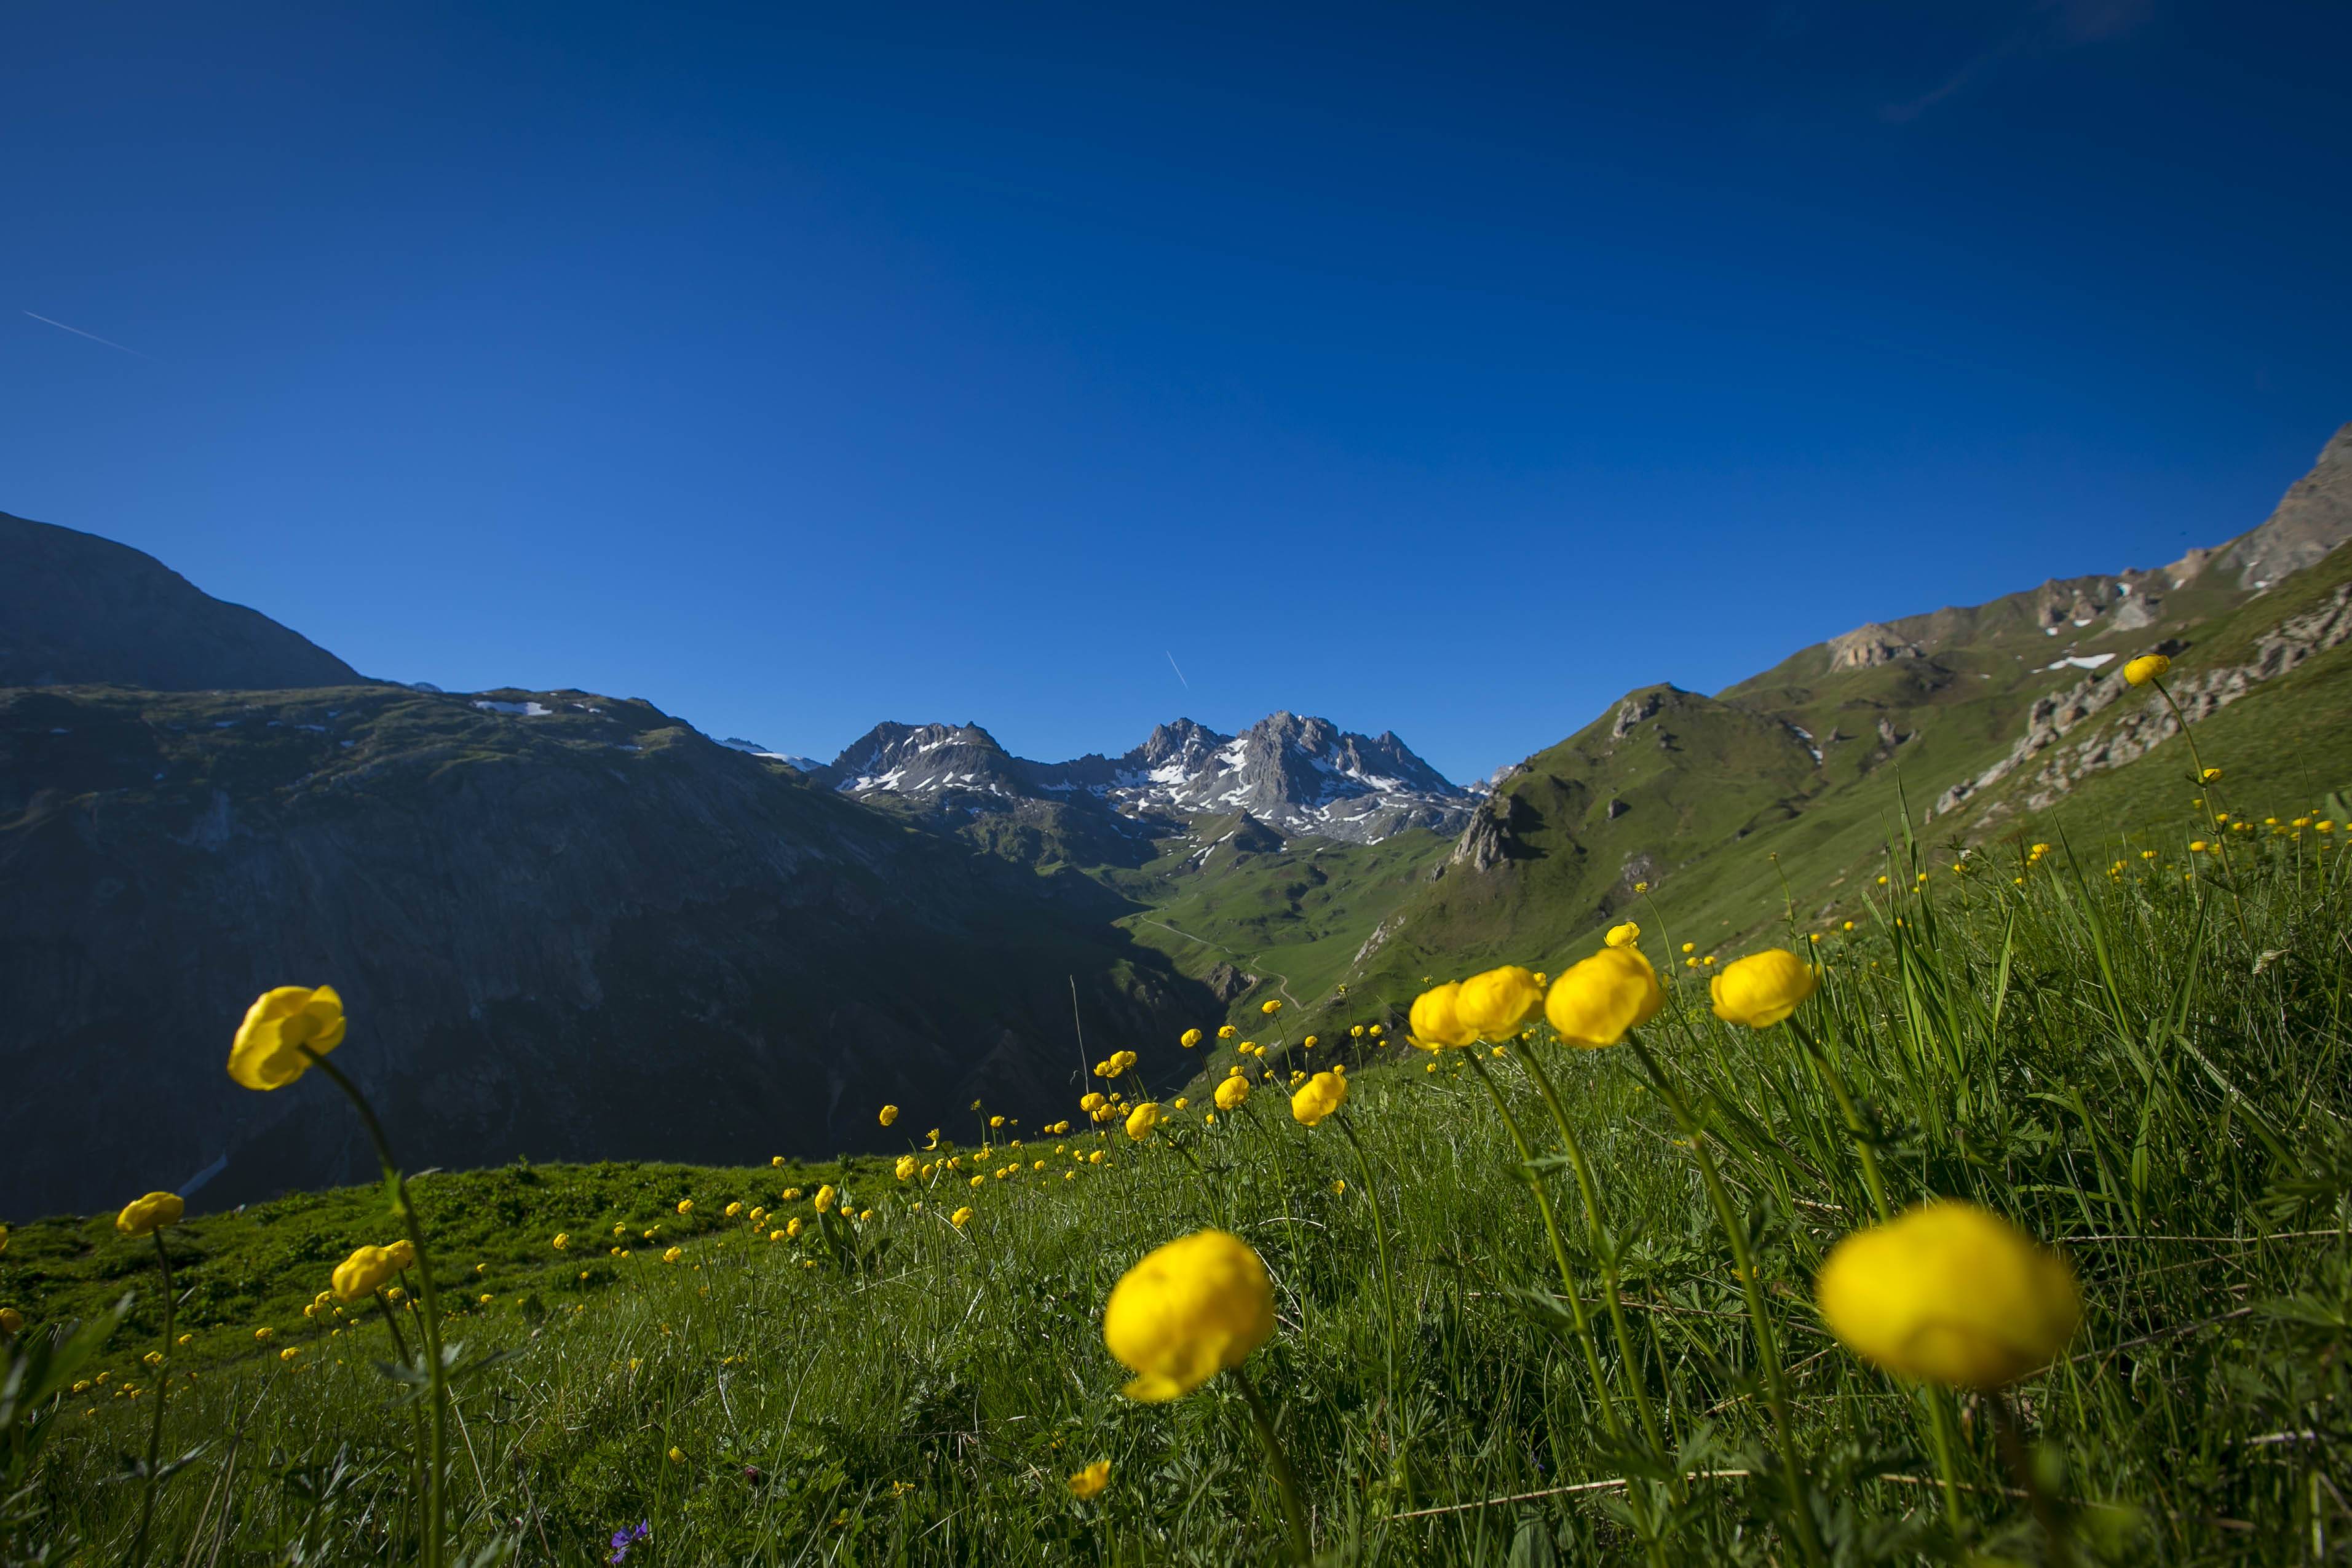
(625, 1539)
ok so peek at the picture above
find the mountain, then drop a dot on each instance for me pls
(1980, 719)
(76, 609)
(564, 925)
(1296, 777)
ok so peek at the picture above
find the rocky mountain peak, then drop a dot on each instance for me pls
(2313, 518)
(1869, 645)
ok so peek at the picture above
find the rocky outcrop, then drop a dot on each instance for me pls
(1867, 647)
(2056, 718)
(2313, 518)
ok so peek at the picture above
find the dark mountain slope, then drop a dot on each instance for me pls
(574, 929)
(76, 609)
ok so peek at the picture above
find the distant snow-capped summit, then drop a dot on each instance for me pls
(1296, 775)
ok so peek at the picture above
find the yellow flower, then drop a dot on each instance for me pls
(826, 1198)
(281, 1022)
(1355, 1031)
(686, 1205)
(1318, 1097)
(980, 1180)
(1624, 935)
(1500, 1003)
(1270, 1007)
(1231, 1093)
(1594, 1002)
(403, 1253)
(1310, 1042)
(792, 1227)
(12, 1321)
(890, 1114)
(996, 1121)
(145, 1217)
(1189, 1038)
(1436, 1023)
(1949, 1293)
(3, 1238)
(733, 1209)
(961, 1217)
(1227, 1031)
(1188, 1311)
(1090, 1481)
(2148, 667)
(1090, 1102)
(1142, 1120)
(289, 1353)
(776, 1234)
(356, 1277)
(265, 1334)
(673, 1254)
(677, 1456)
(562, 1241)
(1762, 988)
(1095, 1158)
(906, 1168)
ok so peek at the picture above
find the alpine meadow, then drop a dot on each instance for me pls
(1893, 1110)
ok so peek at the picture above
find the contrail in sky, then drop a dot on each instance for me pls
(1178, 668)
(93, 337)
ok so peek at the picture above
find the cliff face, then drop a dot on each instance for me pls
(563, 926)
(78, 609)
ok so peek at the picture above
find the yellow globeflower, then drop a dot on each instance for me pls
(960, 1217)
(2148, 667)
(1355, 1031)
(792, 1227)
(144, 1216)
(402, 1252)
(686, 1205)
(733, 1209)
(1189, 1038)
(778, 1234)
(1949, 1293)
(1090, 1481)
(1436, 1023)
(281, 1022)
(1227, 1031)
(1090, 1102)
(1624, 935)
(1142, 1120)
(1231, 1093)
(1310, 1042)
(826, 1198)
(890, 1114)
(673, 1254)
(1270, 1007)
(12, 1321)
(357, 1277)
(777, 1161)
(1594, 1002)
(562, 1241)
(1499, 1004)
(265, 1334)
(1318, 1097)
(289, 1353)
(1095, 1158)
(1762, 988)
(1188, 1311)
(906, 1168)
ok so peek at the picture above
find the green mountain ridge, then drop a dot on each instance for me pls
(585, 930)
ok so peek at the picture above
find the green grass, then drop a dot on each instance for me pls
(2111, 1060)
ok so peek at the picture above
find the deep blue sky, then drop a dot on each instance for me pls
(1440, 370)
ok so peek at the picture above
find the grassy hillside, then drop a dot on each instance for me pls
(2110, 1060)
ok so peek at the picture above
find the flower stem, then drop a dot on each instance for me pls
(1583, 1325)
(1768, 1350)
(1854, 1128)
(138, 1554)
(2045, 1507)
(2221, 839)
(428, 1326)
(1294, 1511)
(1604, 1247)
(1381, 1244)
